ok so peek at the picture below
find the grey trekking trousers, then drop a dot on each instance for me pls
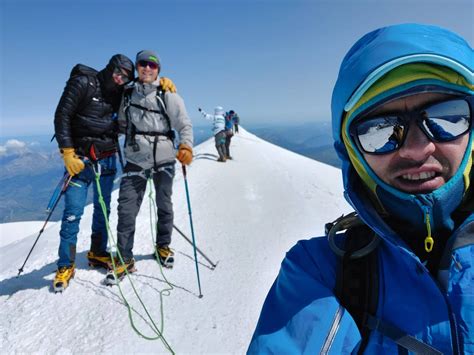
(132, 190)
(220, 144)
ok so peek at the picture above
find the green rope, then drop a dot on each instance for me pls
(154, 232)
(158, 331)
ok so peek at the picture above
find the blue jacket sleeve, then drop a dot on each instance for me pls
(301, 315)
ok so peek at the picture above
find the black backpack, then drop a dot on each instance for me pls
(91, 73)
(84, 70)
(357, 283)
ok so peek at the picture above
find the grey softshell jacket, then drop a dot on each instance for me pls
(145, 121)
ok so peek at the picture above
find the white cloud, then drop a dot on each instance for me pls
(15, 144)
(12, 147)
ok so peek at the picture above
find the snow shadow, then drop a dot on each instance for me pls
(37, 279)
(208, 156)
(112, 294)
(210, 267)
(145, 280)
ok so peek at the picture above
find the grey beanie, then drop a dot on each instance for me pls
(149, 56)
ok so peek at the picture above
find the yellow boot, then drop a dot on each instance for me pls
(113, 277)
(63, 275)
(99, 260)
(165, 256)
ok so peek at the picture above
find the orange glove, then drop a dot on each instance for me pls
(167, 84)
(185, 154)
(73, 164)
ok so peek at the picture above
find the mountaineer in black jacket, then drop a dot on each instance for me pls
(86, 130)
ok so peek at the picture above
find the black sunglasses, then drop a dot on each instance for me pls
(441, 122)
(145, 63)
(125, 76)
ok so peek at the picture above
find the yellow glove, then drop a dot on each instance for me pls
(167, 85)
(185, 154)
(73, 164)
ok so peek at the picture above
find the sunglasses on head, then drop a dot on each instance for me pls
(440, 122)
(145, 63)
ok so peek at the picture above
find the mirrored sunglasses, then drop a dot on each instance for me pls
(440, 122)
(145, 63)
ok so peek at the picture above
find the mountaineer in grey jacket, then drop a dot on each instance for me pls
(148, 117)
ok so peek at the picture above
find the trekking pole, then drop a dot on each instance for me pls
(56, 192)
(51, 207)
(199, 251)
(192, 228)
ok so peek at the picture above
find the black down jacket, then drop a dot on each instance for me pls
(85, 113)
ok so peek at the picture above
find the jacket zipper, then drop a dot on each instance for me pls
(425, 206)
(333, 331)
(429, 242)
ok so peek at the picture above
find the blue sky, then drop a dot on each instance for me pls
(268, 60)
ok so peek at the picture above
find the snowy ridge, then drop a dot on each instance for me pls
(13, 232)
(247, 213)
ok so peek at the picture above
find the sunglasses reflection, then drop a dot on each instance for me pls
(440, 122)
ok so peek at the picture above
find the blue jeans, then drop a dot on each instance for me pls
(75, 200)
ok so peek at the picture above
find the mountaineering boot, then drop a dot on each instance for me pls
(228, 157)
(222, 160)
(99, 259)
(113, 277)
(165, 256)
(63, 275)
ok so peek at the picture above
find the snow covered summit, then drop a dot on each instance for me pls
(247, 213)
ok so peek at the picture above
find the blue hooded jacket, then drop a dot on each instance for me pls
(301, 314)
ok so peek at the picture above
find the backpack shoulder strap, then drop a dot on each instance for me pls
(160, 98)
(357, 277)
(357, 280)
(357, 286)
(130, 127)
(127, 96)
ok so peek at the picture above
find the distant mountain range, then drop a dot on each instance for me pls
(29, 173)
(31, 166)
(313, 140)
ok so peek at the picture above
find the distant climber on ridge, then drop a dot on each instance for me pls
(218, 128)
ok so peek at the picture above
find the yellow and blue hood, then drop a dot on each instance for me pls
(383, 64)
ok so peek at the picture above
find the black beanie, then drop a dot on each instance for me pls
(120, 61)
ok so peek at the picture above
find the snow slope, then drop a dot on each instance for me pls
(15, 231)
(247, 213)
